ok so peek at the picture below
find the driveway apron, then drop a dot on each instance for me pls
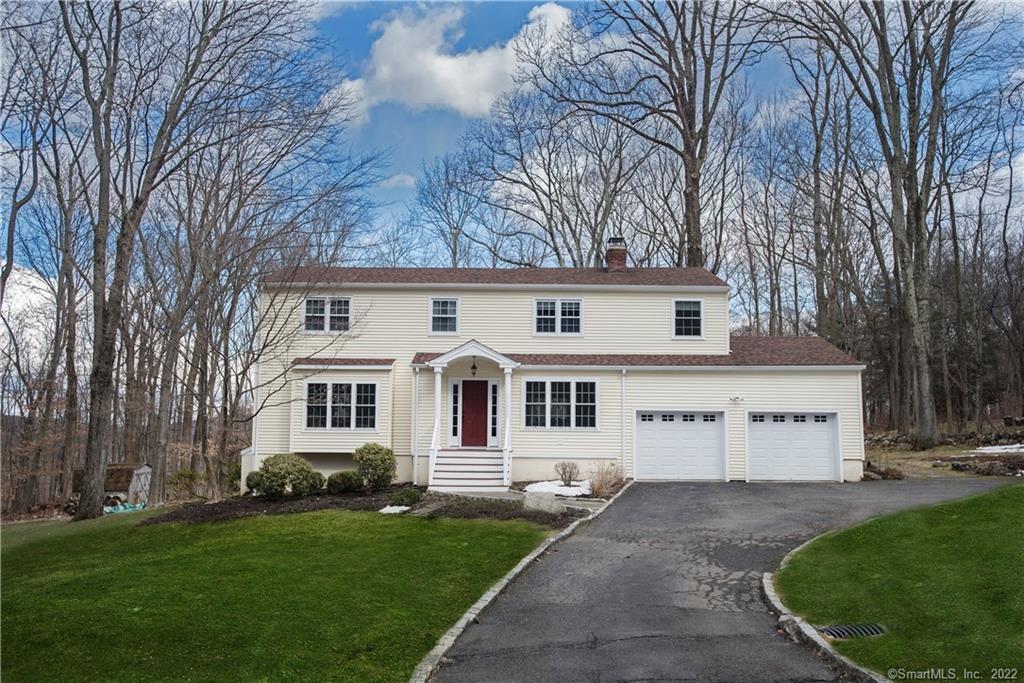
(665, 586)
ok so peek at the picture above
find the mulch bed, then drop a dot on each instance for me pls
(251, 506)
(481, 508)
(432, 505)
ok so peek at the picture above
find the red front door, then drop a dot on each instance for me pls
(474, 413)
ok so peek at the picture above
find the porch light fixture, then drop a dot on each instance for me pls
(472, 368)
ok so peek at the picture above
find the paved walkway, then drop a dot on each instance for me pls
(664, 586)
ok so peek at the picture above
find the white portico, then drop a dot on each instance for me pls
(473, 398)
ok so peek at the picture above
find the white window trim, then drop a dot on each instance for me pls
(572, 404)
(455, 440)
(558, 317)
(318, 380)
(430, 316)
(327, 314)
(672, 321)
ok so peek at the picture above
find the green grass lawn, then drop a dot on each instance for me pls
(331, 595)
(944, 580)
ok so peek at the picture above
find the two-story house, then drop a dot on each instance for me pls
(480, 377)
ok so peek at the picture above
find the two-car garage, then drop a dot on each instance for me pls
(781, 446)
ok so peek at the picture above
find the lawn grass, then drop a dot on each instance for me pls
(331, 595)
(945, 581)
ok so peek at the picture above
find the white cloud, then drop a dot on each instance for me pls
(399, 180)
(414, 62)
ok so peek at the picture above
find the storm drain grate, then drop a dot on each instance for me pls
(852, 630)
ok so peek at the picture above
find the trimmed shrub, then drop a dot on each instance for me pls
(376, 465)
(309, 484)
(347, 481)
(568, 472)
(408, 497)
(283, 473)
(254, 482)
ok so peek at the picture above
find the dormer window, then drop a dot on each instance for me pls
(558, 316)
(444, 316)
(330, 314)
(688, 319)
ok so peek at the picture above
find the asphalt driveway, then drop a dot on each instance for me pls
(665, 586)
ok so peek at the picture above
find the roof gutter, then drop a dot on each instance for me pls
(492, 285)
(686, 368)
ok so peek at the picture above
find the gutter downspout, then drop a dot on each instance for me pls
(622, 430)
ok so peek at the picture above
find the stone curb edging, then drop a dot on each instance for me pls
(428, 665)
(802, 632)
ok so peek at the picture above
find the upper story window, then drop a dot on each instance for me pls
(330, 314)
(337, 412)
(558, 316)
(687, 318)
(444, 316)
(560, 403)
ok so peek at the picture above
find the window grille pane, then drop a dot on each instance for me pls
(535, 398)
(561, 401)
(341, 406)
(445, 315)
(339, 315)
(687, 320)
(570, 317)
(778, 418)
(316, 406)
(494, 410)
(315, 314)
(366, 406)
(708, 418)
(455, 409)
(545, 317)
(586, 404)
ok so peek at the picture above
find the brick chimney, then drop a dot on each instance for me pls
(615, 256)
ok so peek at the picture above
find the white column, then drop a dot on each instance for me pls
(414, 431)
(435, 440)
(507, 447)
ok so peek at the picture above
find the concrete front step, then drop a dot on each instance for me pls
(463, 481)
(465, 488)
(467, 467)
(467, 461)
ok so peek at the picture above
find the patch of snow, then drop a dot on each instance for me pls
(989, 450)
(578, 488)
(394, 509)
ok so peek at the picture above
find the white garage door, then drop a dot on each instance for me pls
(792, 447)
(680, 445)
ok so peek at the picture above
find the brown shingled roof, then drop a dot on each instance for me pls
(327, 362)
(670, 277)
(746, 351)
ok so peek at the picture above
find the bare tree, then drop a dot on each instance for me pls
(644, 63)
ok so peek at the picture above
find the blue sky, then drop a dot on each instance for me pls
(426, 69)
(410, 129)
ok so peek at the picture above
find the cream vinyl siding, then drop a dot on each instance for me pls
(393, 323)
(759, 391)
(306, 440)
